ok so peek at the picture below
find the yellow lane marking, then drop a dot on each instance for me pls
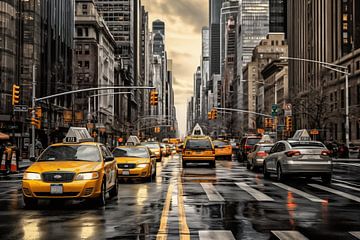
(162, 233)
(183, 227)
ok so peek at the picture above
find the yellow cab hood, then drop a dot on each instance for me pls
(71, 166)
(132, 160)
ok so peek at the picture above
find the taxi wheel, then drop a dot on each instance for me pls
(30, 202)
(101, 200)
(212, 164)
(183, 164)
(154, 175)
(280, 176)
(114, 191)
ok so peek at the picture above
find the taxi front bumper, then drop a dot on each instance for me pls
(75, 189)
(134, 172)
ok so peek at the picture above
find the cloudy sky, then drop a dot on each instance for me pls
(183, 22)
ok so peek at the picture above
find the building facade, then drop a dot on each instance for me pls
(326, 31)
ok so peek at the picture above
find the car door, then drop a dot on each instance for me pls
(252, 154)
(270, 159)
(279, 155)
(109, 168)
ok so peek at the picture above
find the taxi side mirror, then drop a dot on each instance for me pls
(32, 159)
(109, 158)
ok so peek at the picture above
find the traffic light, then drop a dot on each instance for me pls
(36, 122)
(154, 98)
(15, 94)
(288, 123)
(38, 112)
(268, 123)
(214, 113)
(210, 115)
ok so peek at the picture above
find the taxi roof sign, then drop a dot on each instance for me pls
(132, 141)
(77, 134)
(197, 131)
(266, 139)
(301, 135)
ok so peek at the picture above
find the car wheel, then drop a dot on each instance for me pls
(183, 164)
(248, 166)
(155, 172)
(253, 167)
(279, 173)
(265, 172)
(30, 202)
(326, 178)
(101, 200)
(114, 191)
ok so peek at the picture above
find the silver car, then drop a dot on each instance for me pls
(255, 158)
(300, 158)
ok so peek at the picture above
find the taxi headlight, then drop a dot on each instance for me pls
(87, 176)
(143, 165)
(31, 176)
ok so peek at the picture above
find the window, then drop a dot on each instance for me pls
(84, 6)
(79, 32)
(87, 49)
(357, 65)
(87, 64)
(80, 64)
(358, 94)
(281, 148)
(86, 32)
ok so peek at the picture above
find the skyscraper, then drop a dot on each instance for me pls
(278, 16)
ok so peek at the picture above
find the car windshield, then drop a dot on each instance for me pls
(198, 144)
(307, 145)
(71, 153)
(151, 145)
(131, 152)
(252, 141)
(220, 144)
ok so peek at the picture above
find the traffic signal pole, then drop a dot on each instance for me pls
(32, 149)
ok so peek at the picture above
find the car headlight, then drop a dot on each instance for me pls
(87, 176)
(31, 176)
(143, 165)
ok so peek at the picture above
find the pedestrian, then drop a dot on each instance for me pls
(8, 155)
(38, 147)
(2, 151)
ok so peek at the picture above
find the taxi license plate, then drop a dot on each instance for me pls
(199, 152)
(56, 189)
(126, 173)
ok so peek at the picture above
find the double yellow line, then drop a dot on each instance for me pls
(183, 227)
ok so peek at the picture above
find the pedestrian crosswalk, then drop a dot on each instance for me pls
(216, 235)
(289, 235)
(256, 191)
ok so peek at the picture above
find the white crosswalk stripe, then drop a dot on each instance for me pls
(211, 192)
(355, 234)
(216, 235)
(289, 235)
(255, 193)
(346, 186)
(348, 183)
(337, 192)
(300, 193)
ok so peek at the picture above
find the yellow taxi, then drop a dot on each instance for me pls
(223, 150)
(74, 169)
(135, 162)
(198, 149)
(155, 149)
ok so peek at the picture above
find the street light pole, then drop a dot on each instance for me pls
(32, 149)
(344, 70)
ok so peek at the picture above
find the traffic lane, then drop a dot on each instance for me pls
(135, 214)
(247, 218)
(349, 172)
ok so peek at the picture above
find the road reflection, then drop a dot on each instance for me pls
(198, 174)
(31, 228)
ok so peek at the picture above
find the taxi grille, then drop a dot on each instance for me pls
(126, 165)
(58, 177)
(65, 194)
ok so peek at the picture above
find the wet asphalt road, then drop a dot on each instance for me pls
(225, 203)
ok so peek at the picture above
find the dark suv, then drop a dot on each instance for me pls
(246, 145)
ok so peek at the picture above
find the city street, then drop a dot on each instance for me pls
(228, 202)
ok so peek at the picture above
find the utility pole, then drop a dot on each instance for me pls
(32, 149)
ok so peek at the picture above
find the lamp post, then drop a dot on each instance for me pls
(336, 68)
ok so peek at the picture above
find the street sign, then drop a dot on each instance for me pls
(21, 108)
(288, 109)
(274, 107)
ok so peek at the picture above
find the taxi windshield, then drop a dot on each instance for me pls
(220, 144)
(131, 152)
(70, 153)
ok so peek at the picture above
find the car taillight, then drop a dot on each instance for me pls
(325, 153)
(248, 147)
(293, 153)
(261, 154)
(213, 151)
